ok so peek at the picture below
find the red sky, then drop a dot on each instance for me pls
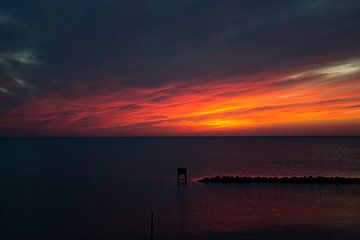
(322, 101)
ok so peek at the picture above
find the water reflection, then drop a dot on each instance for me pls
(182, 208)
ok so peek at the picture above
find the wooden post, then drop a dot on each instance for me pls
(181, 176)
(152, 226)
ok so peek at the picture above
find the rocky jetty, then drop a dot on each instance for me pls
(290, 180)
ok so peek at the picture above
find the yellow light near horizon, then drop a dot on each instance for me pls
(224, 123)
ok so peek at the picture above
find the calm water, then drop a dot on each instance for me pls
(106, 189)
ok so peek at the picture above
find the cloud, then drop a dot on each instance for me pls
(342, 69)
(108, 65)
(22, 57)
(4, 18)
(5, 91)
(14, 68)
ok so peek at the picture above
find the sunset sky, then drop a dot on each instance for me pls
(179, 68)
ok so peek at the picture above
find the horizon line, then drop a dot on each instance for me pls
(190, 136)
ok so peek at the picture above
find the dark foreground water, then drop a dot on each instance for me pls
(106, 189)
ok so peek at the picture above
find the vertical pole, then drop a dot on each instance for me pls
(152, 225)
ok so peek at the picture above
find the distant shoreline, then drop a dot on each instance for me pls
(282, 180)
(177, 137)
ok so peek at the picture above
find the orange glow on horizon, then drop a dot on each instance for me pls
(324, 96)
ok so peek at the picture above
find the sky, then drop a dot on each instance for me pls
(179, 68)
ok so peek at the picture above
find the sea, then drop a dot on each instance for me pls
(107, 188)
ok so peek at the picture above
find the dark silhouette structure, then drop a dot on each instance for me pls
(152, 226)
(181, 176)
(292, 180)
